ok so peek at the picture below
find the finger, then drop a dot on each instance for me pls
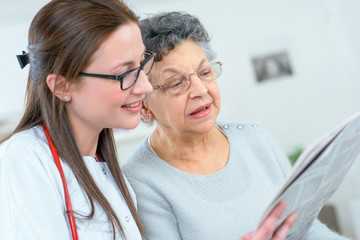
(283, 230)
(248, 236)
(267, 228)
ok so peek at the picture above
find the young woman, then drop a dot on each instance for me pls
(59, 172)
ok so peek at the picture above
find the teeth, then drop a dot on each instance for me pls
(132, 105)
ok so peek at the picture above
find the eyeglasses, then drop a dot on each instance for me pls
(129, 78)
(180, 82)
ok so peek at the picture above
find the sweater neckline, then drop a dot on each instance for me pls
(182, 173)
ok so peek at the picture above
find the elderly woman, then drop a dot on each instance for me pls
(196, 178)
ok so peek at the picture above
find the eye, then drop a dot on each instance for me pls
(176, 81)
(206, 72)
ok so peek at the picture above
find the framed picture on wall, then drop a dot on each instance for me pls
(271, 66)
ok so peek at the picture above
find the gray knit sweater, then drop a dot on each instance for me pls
(223, 206)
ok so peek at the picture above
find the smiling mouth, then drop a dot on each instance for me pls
(131, 105)
(200, 110)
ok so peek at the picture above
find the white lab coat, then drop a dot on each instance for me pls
(32, 201)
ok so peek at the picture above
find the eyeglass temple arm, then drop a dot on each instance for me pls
(98, 75)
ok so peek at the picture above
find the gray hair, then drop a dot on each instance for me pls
(161, 33)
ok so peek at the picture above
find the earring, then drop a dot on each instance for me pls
(147, 117)
(66, 97)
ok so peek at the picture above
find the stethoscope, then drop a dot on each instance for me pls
(70, 211)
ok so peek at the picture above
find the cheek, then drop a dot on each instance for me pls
(218, 94)
(155, 101)
(110, 87)
(109, 92)
(164, 106)
(214, 91)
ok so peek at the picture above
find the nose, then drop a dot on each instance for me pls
(197, 87)
(142, 85)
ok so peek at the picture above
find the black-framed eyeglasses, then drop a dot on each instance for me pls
(180, 82)
(128, 78)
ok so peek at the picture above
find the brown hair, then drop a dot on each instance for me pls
(63, 36)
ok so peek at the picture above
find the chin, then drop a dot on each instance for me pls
(206, 127)
(128, 124)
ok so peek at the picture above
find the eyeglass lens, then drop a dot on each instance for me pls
(132, 76)
(180, 82)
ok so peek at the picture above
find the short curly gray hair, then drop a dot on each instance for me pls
(161, 33)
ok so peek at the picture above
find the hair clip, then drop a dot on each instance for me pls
(23, 59)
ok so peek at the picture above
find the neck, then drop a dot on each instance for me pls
(86, 139)
(203, 153)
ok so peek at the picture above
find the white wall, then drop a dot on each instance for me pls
(321, 37)
(15, 18)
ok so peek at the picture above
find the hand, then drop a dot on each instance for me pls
(267, 228)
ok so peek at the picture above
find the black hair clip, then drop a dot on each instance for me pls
(23, 59)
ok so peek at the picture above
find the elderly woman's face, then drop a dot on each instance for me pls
(192, 111)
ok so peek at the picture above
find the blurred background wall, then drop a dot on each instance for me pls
(290, 65)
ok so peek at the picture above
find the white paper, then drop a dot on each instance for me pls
(316, 175)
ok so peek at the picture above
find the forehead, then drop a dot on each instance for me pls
(183, 55)
(184, 58)
(123, 45)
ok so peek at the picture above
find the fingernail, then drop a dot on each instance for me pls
(283, 206)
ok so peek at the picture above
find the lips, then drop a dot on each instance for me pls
(134, 107)
(200, 110)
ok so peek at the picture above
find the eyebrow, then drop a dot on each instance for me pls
(125, 64)
(121, 65)
(201, 63)
(171, 69)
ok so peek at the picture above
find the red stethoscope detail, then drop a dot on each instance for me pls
(70, 211)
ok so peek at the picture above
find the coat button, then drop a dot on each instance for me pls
(127, 219)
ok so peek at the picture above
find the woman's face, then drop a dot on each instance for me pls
(100, 103)
(192, 111)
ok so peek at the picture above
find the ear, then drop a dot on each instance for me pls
(59, 86)
(146, 114)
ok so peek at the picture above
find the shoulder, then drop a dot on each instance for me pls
(139, 159)
(242, 129)
(24, 148)
(23, 141)
(144, 167)
(246, 137)
(252, 139)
